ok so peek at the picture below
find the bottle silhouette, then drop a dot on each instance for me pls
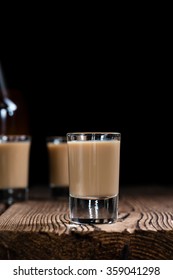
(14, 117)
(14, 145)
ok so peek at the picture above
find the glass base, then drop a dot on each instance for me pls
(93, 211)
(10, 196)
(59, 191)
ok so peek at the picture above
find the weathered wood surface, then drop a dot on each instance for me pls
(41, 229)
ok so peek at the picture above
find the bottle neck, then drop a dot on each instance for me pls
(7, 104)
(7, 108)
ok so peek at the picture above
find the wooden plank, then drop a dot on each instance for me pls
(42, 230)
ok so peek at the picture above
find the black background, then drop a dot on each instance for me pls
(97, 82)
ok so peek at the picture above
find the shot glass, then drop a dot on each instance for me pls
(14, 168)
(94, 162)
(58, 166)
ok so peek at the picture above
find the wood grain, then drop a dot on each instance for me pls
(39, 229)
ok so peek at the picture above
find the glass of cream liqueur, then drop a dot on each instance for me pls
(94, 163)
(58, 166)
(14, 167)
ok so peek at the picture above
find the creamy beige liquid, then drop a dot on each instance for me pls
(94, 168)
(14, 164)
(58, 164)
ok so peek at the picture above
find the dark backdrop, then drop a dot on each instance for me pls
(79, 90)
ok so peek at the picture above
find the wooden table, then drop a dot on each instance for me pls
(40, 228)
